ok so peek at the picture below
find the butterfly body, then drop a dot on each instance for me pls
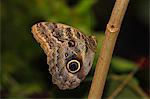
(69, 52)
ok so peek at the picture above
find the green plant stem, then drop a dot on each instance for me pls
(126, 81)
(122, 85)
(104, 59)
(135, 87)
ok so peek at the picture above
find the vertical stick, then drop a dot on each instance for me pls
(111, 33)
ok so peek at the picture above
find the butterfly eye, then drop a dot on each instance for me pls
(73, 66)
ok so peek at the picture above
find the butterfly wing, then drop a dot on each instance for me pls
(69, 52)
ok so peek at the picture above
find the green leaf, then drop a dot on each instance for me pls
(122, 65)
(84, 6)
(23, 90)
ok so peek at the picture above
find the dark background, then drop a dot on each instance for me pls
(24, 72)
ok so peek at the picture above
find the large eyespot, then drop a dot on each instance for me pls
(73, 66)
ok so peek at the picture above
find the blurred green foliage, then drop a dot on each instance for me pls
(127, 92)
(122, 65)
(23, 63)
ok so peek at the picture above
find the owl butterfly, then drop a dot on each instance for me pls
(69, 52)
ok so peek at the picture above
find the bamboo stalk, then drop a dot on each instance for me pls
(111, 33)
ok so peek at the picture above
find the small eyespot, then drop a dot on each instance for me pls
(73, 66)
(71, 43)
(66, 54)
